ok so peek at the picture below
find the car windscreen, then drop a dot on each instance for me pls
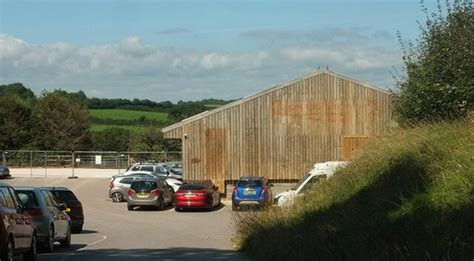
(191, 187)
(144, 185)
(301, 182)
(249, 183)
(64, 195)
(28, 198)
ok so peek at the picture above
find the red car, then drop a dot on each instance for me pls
(17, 230)
(197, 194)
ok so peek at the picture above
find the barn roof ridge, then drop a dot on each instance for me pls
(265, 91)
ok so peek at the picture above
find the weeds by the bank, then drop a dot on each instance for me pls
(410, 195)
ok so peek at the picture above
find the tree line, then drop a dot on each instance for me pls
(60, 120)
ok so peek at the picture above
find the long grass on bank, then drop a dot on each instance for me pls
(410, 195)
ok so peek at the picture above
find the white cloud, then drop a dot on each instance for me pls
(355, 57)
(133, 69)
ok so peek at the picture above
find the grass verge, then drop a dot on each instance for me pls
(409, 195)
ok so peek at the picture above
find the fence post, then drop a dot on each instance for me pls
(31, 163)
(45, 164)
(73, 162)
(117, 162)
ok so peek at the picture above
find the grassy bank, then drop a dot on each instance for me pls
(410, 195)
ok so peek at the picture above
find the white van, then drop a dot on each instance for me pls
(320, 171)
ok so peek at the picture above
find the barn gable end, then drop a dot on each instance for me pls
(281, 132)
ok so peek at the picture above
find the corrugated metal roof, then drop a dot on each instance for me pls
(260, 93)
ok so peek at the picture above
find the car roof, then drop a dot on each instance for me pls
(131, 172)
(144, 179)
(27, 188)
(57, 188)
(252, 178)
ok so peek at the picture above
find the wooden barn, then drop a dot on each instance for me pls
(279, 133)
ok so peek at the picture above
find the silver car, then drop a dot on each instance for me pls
(174, 168)
(150, 167)
(119, 185)
(52, 223)
(151, 193)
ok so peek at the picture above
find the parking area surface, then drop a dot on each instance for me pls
(111, 232)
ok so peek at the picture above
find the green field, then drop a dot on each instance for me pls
(101, 127)
(127, 114)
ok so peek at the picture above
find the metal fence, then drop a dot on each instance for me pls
(33, 159)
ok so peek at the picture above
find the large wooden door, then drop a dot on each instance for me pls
(351, 145)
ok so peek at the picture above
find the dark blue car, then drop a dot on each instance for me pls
(252, 191)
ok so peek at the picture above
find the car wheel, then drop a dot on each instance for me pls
(130, 208)
(117, 197)
(32, 253)
(8, 251)
(76, 229)
(66, 242)
(177, 209)
(49, 243)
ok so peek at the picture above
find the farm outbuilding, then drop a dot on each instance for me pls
(279, 133)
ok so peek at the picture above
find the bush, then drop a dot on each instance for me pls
(439, 81)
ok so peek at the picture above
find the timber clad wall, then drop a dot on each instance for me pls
(281, 132)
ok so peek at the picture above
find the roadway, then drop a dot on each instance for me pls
(111, 232)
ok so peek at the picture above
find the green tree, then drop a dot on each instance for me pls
(17, 89)
(16, 122)
(112, 139)
(185, 110)
(438, 83)
(148, 139)
(63, 123)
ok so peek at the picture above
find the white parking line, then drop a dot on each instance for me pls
(93, 243)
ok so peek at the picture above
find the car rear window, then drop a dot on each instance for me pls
(147, 168)
(28, 198)
(144, 185)
(64, 195)
(249, 183)
(191, 187)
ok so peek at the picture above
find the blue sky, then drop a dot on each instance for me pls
(188, 50)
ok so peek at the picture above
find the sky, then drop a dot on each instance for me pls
(197, 49)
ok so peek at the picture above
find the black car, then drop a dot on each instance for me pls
(17, 231)
(73, 206)
(4, 171)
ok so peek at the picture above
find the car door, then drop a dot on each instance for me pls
(168, 190)
(59, 224)
(14, 219)
(63, 217)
